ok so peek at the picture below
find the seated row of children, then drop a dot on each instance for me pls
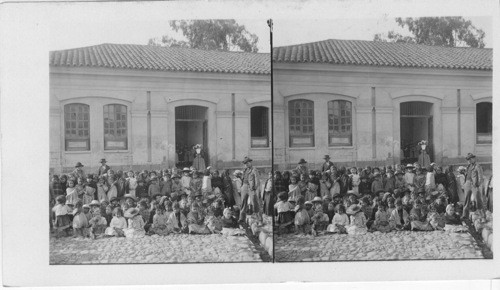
(162, 215)
(352, 214)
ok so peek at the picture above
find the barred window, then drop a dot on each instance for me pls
(301, 123)
(339, 123)
(259, 126)
(115, 127)
(484, 123)
(76, 127)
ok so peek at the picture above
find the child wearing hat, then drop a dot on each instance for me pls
(409, 177)
(357, 225)
(319, 219)
(302, 219)
(340, 221)
(177, 220)
(61, 219)
(97, 224)
(135, 227)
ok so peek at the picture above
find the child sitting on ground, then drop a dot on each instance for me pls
(97, 223)
(135, 227)
(435, 219)
(177, 220)
(399, 219)
(381, 222)
(160, 222)
(302, 218)
(319, 219)
(358, 221)
(195, 220)
(117, 224)
(80, 221)
(339, 222)
(282, 209)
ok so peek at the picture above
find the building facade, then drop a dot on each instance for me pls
(370, 103)
(145, 107)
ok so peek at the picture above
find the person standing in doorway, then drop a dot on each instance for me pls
(249, 189)
(199, 161)
(327, 164)
(473, 182)
(103, 169)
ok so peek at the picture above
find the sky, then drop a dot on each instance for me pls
(286, 32)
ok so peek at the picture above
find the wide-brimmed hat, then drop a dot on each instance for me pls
(469, 156)
(376, 174)
(131, 212)
(175, 176)
(130, 196)
(186, 169)
(409, 165)
(236, 172)
(85, 206)
(326, 156)
(308, 202)
(113, 199)
(103, 160)
(79, 164)
(291, 199)
(317, 199)
(95, 202)
(353, 209)
(246, 160)
(461, 168)
(302, 161)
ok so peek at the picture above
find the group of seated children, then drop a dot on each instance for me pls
(317, 210)
(190, 204)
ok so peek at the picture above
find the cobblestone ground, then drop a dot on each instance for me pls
(404, 245)
(153, 249)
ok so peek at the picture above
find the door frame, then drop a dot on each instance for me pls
(437, 127)
(211, 126)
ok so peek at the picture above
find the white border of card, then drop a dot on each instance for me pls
(24, 84)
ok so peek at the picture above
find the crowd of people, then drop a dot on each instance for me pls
(169, 201)
(388, 198)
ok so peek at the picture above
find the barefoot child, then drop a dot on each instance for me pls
(340, 221)
(117, 224)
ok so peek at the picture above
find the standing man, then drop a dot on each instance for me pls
(104, 168)
(302, 168)
(249, 190)
(473, 181)
(326, 166)
(78, 172)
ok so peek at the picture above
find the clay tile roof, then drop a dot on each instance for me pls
(374, 53)
(145, 57)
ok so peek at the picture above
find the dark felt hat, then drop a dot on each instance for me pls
(103, 160)
(302, 161)
(326, 156)
(469, 156)
(246, 160)
(79, 164)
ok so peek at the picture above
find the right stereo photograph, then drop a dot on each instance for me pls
(383, 139)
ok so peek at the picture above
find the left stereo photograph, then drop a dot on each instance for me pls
(160, 144)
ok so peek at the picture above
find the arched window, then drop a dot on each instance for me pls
(259, 127)
(484, 123)
(76, 127)
(339, 123)
(115, 127)
(301, 123)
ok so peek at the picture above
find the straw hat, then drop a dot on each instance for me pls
(95, 202)
(317, 199)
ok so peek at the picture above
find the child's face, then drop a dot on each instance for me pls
(399, 206)
(381, 208)
(308, 206)
(89, 180)
(318, 205)
(55, 179)
(130, 174)
(353, 171)
(302, 178)
(341, 210)
(114, 202)
(331, 207)
(108, 210)
(450, 210)
(227, 215)
(71, 183)
(158, 198)
(86, 210)
(293, 180)
(130, 202)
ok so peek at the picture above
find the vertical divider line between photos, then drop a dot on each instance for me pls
(273, 192)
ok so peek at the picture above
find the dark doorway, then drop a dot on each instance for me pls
(190, 129)
(416, 125)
